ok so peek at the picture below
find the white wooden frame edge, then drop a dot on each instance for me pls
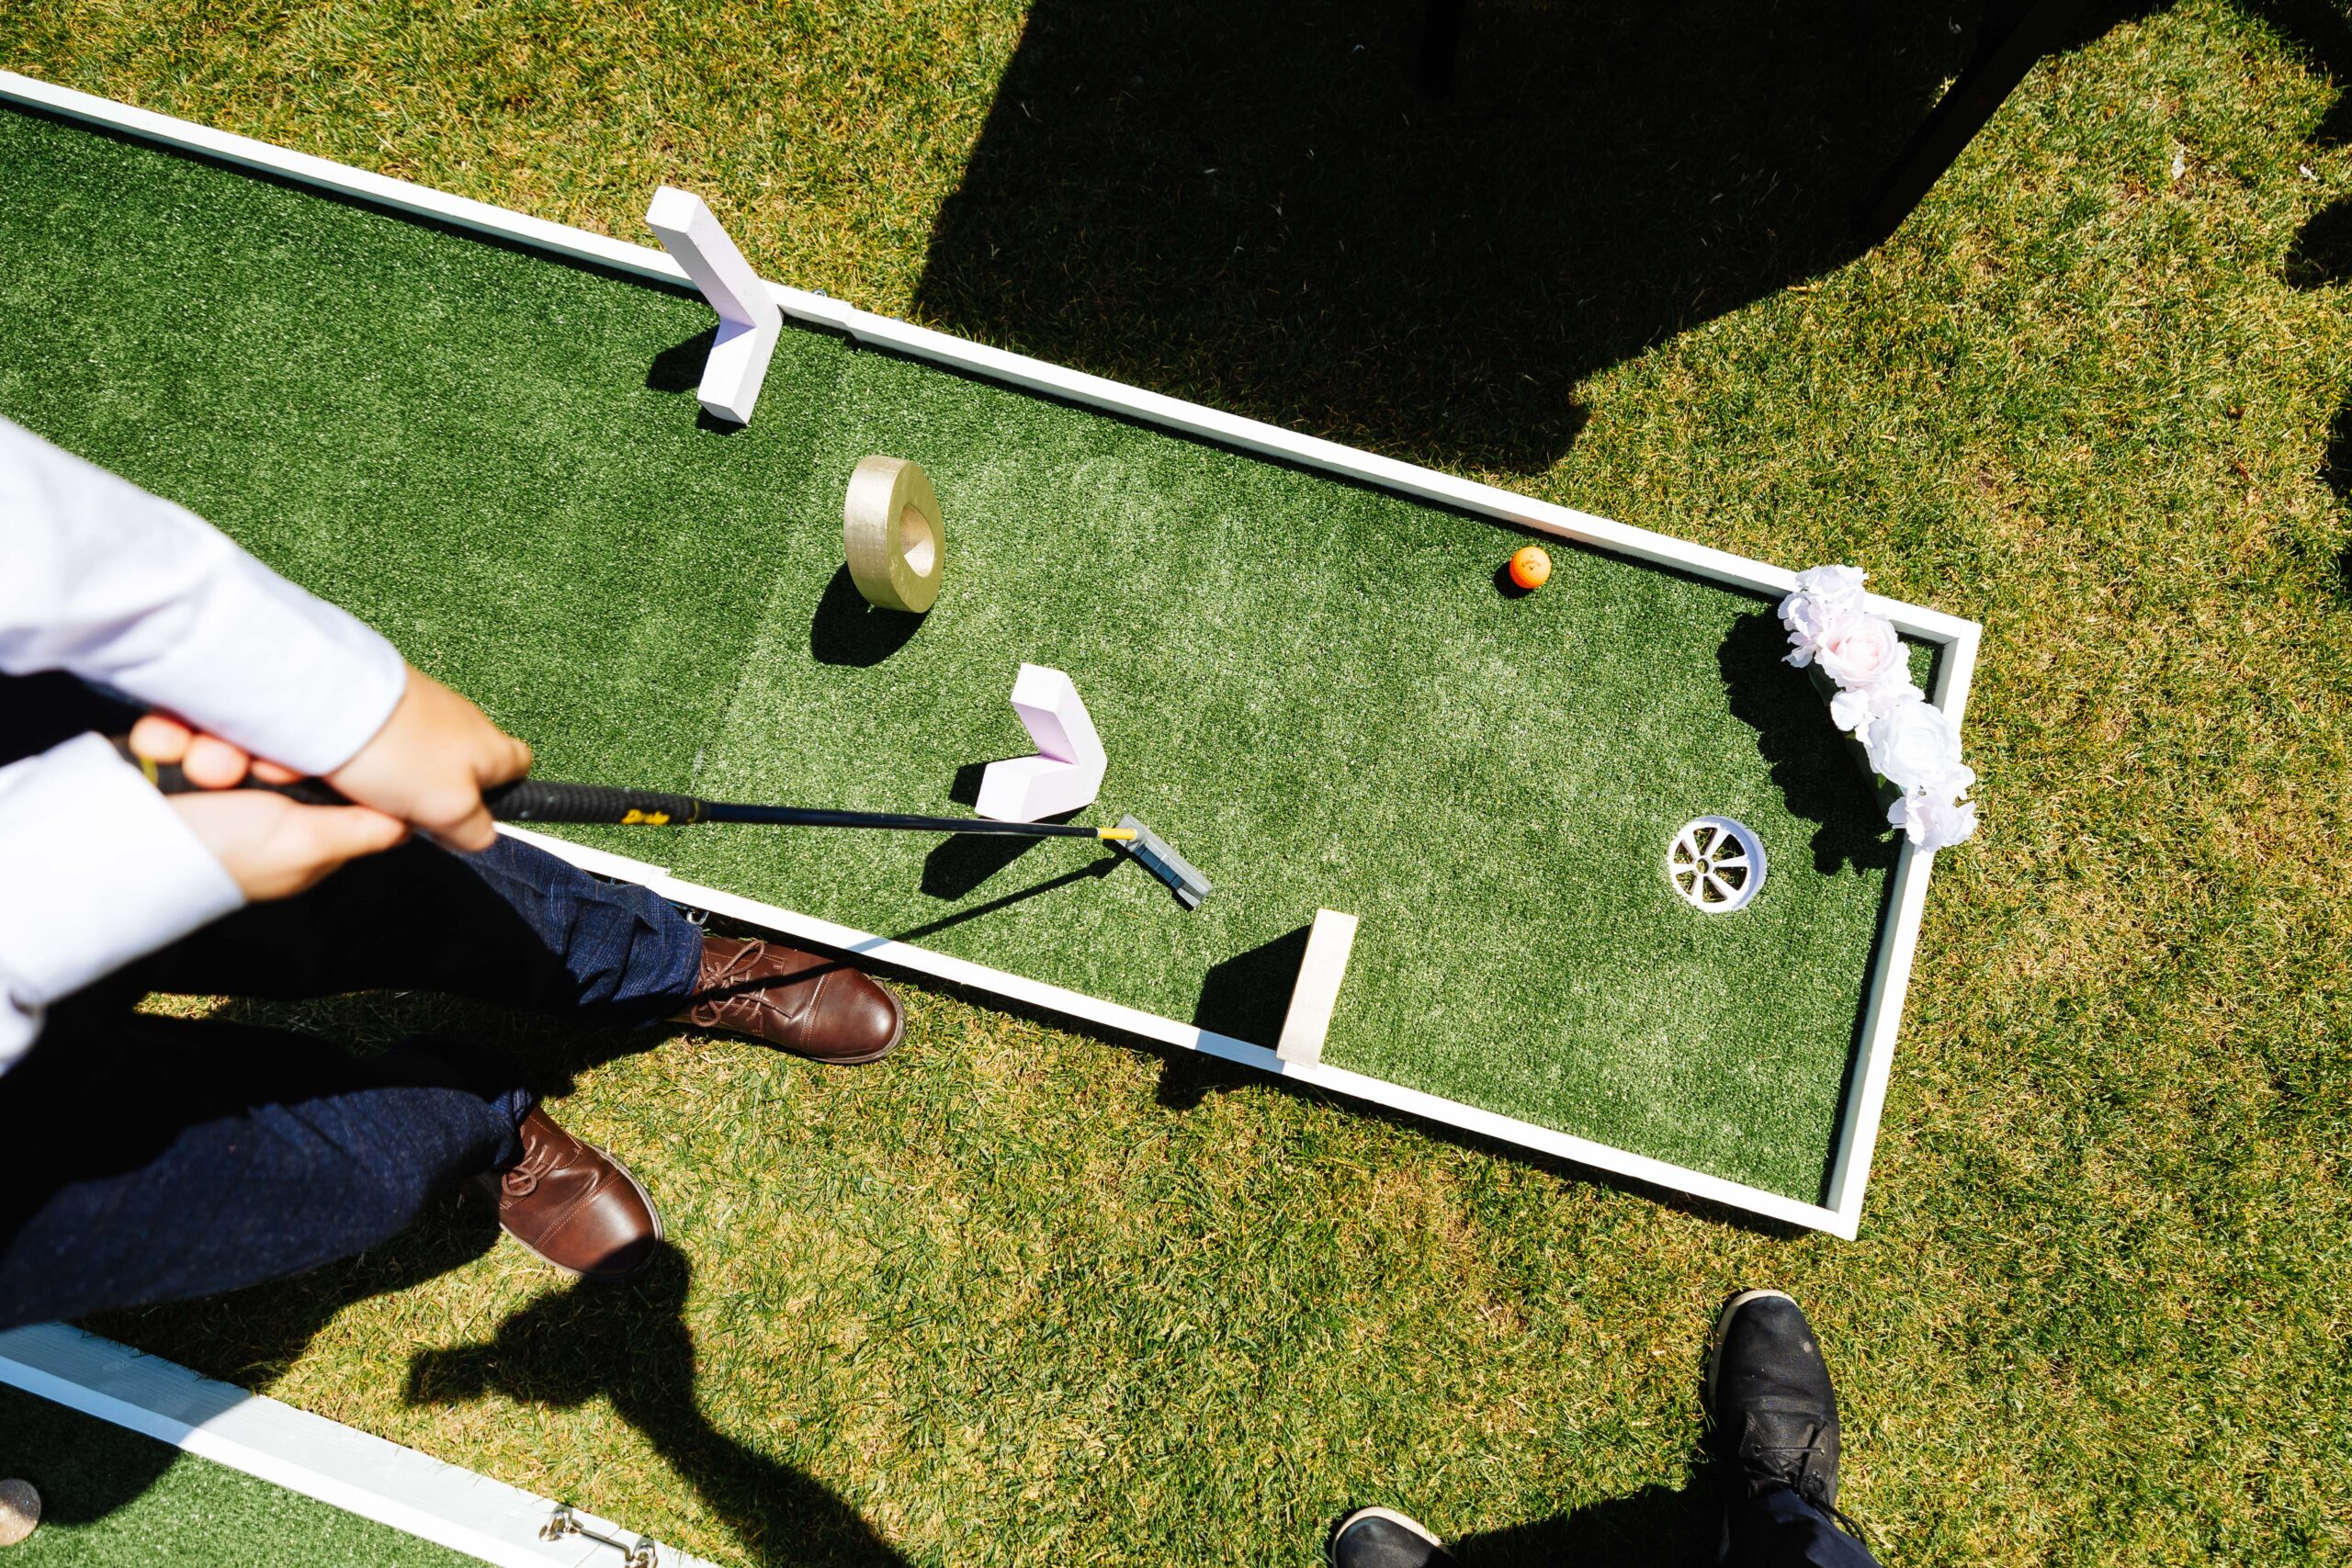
(339, 1465)
(1956, 637)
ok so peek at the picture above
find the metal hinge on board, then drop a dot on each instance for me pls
(643, 1552)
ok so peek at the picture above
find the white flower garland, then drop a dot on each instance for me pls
(1909, 741)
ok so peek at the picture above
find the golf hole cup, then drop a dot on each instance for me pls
(891, 529)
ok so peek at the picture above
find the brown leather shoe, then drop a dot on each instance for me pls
(573, 1205)
(801, 1001)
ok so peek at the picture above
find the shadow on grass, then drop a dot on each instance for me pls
(961, 861)
(2321, 253)
(629, 1343)
(1810, 761)
(83, 1468)
(848, 630)
(1246, 996)
(1658, 1527)
(1253, 205)
(678, 369)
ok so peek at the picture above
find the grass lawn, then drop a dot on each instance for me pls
(1021, 1295)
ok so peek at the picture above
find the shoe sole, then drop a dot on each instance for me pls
(1403, 1521)
(1722, 1323)
(650, 1207)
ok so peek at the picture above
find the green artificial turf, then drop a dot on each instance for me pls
(112, 1498)
(1314, 690)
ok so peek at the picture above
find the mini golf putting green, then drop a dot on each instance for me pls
(1314, 690)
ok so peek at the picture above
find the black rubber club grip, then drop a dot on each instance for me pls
(524, 800)
(170, 778)
(545, 800)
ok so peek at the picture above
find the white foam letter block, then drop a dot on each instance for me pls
(1318, 991)
(748, 318)
(1066, 771)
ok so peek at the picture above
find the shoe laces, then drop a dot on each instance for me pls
(1791, 1465)
(737, 969)
(523, 1177)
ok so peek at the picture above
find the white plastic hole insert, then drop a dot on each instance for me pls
(1717, 864)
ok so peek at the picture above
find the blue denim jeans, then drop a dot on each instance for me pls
(147, 1159)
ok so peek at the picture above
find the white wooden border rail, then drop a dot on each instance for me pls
(1956, 640)
(339, 1465)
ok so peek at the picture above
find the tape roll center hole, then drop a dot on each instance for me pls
(917, 542)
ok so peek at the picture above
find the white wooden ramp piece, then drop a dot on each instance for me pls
(748, 318)
(1066, 771)
(1328, 942)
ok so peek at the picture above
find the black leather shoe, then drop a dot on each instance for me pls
(1771, 1408)
(1382, 1538)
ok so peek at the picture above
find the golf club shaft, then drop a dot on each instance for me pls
(548, 800)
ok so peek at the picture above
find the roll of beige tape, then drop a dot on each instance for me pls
(891, 527)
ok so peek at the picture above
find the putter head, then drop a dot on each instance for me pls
(1149, 850)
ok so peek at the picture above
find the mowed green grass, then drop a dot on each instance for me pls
(1025, 1296)
(1316, 690)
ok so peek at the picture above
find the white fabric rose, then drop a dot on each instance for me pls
(1909, 740)
(1853, 709)
(1865, 651)
(1934, 822)
(1810, 622)
(1826, 598)
(1916, 748)
(1831, 587)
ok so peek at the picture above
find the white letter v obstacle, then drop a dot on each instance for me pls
(748, 318)
(1066, 771)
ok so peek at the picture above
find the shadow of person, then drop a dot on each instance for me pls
(1253, 205)
(630, 1344)
(84, 1468)
(254, 1336)
(2320, 256)
(1810, 761)
(1658, 1526)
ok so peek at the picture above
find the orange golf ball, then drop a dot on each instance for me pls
(1530, 567)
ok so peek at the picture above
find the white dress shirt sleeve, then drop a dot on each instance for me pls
(98, 869)
(101, 579)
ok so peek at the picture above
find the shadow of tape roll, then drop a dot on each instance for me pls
(892, 530)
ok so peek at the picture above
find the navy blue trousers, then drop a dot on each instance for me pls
(150, 1159)
(1781, 1529)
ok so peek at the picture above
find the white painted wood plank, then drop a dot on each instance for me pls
(1025, 991)
(1308, 1020)
(339, 1465)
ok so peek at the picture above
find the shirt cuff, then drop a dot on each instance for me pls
(285, 675)
(95, 870)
